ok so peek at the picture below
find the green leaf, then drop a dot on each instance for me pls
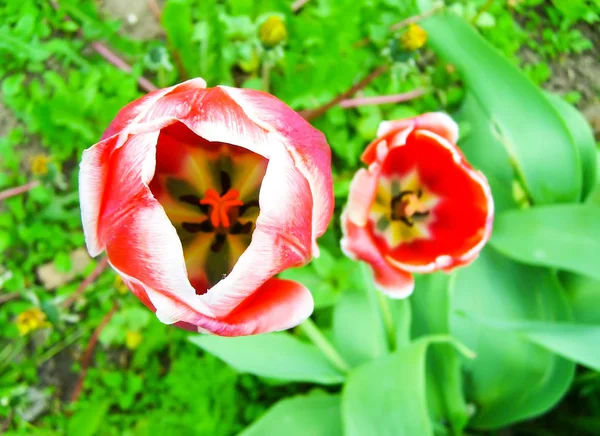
(314, 415)
(561, 236)
(577, 342)
(358, 331)
(274, 355)
(86, 421)
(521, 117)
(584, 297)
(583, 136)
(511, 379)
(492, 158)
(388, 396)
(431, 312)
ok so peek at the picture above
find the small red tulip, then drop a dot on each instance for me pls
(419, 207)
(200, 196)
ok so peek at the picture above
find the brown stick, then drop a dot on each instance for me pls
(87, 356)
(113, 58)
(8, 297)
(382, 99)
(86, 282)
(11, 192)
(154, 9)
(297, 5)
(317, 112)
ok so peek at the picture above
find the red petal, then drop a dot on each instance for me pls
(137, 110)
(463, 218)
(282, 237)
(362, 193)
(358, 243)
(307, 145)
(395, 131)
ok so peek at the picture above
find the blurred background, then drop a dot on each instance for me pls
(79, 354)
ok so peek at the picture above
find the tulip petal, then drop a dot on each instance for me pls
(306, 144)
(358, 244)
(362, 193)
(436, 122)
(93, 171)
(137, 110)
(463, 217)
(282, 237)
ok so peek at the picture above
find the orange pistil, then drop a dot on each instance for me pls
(221, 205)
(411, 204)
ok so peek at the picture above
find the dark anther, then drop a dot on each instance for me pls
(217, 245)
(204, 226)
(190, 199)
(225, 183)
(194, 201)
(248, 205)
(398, 214)
(239, 228)
(394, 206)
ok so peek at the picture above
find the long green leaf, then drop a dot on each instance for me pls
(577, 342)
(431, 313)
(275, 355)
(561, 236)
(584, 139)
(314, 415)
(534, 135)
(511, 379)
(357, 327)
(486, 152)
(387, 396)
(584, 297)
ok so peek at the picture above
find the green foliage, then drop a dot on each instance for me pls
(561, 236)
(281, 356)
(315, 414)
(527, 323)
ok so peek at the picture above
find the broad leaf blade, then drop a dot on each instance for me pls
(358, 331)
(314, 415)
(583, 136)
(274, 355)
(387, 396)
(511, 379)
(522, 118)
(576, 342)
(561, 236)
(431, 312)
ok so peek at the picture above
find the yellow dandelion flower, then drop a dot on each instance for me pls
(272, 31)
(133, 339)
(120, 286)
(30, 320)
(39, 165)
(414, 38)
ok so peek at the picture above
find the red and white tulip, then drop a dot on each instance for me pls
(419, 207)
(200, 196)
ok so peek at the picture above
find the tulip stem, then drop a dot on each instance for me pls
(384, 307)
(266, 75)
(388, 320)
(310, 329)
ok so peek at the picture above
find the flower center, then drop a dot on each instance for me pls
(221, 205)
(210, 192)
(403, 209)
(408, 205)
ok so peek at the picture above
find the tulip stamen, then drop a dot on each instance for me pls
(407, 206)
(221, 205)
